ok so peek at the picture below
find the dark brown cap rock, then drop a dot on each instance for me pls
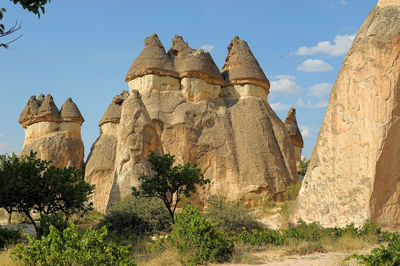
(189, 62)
(70, 112)
(29, 114)
(152, 60)
(48, 111)
(113, 112)
(241, 67)
(293, 130)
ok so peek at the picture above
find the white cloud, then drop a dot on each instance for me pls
(310, 105)
(320, 90)
(340, 47)
(305, 131)
(285, 84)
(280, 106)
(343, 2)
(315, 65)
(207, 47)
(285, 77)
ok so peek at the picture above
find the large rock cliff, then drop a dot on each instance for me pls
(354, 172)
(222, 123)
(54, 135)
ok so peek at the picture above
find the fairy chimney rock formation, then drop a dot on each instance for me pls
(243, 72)
(99, 168)
(55, 135)
(354, 171)
(294, 133)
(224, 126)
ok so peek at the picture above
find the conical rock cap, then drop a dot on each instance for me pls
(113, 112)
(29, 114)
(241, 67)
(293, 129)
(152, 60)
(48, 111)
(70, 112)
(189, 62)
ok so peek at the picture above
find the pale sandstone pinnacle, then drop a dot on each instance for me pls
(354, 172)
(51, 137)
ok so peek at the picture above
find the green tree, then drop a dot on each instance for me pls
(169, 183)
(30, 185)
(34, 6)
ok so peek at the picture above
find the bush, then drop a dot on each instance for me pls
(302, 168)
(382, 255)
(71, 248)
(55, 220)
(9, 237)
(198, 239)
(306, 232)
(231, 217)
(138, 216)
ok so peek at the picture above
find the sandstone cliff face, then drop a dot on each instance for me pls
(354, 173)
(188, 109)
(54, 135)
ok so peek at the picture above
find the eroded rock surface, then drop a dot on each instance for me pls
(354, 171)
(224, 126)
(54, 135)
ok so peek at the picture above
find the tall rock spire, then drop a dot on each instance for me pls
(152, 60)
(354, 169)
(241, 67)
(293, 129)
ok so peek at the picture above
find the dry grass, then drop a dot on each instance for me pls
(5, 259)
(245, 255)
(167, 257)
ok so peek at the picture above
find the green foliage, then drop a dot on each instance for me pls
(169, 183)
(389, 255)
(9, 237)
(292, 191)
(69, 247)
(34, 6)
(302, 168)
(260, 238)
(56, 220)
(231, 217)
(30, 185)
(138, 216)
(198, 239)
(307, 232)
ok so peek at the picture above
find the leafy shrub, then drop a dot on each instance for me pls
(292, 191)
(199, 239)
(138, 216)
(382, 255)
(71, 248)
(9, 237)
(231, 217)
(260, 238)
(306, 232)
(55, 220)
(302, 167)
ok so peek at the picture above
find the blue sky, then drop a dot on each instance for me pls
(83, 49)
